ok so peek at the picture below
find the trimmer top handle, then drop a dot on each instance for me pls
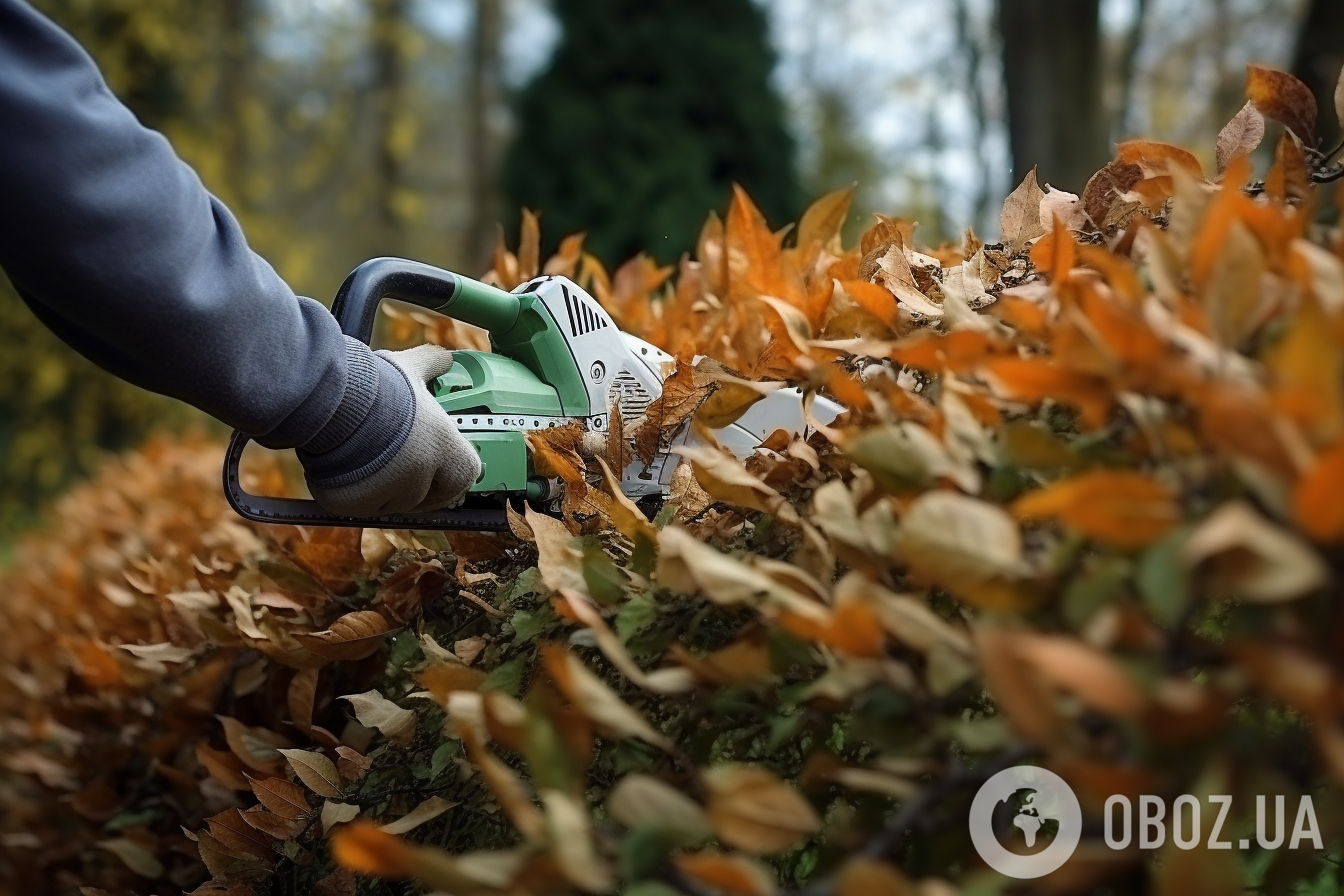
(470, 301)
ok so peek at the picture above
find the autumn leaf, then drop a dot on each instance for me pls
(317, 772)
(640, 800)
(428, 809)
(751, 809)
(823, 219)
(596, 700)
(134, 856)
(1240, 136)
(1253, 558)
(375, 711)
(1020, 217)
(334, 813)
(1158, 158)
(726, 873)
(258, 748)
(1120, 507)
(1280, 96)
(351, 637)
(958, 541)
(1316, 503)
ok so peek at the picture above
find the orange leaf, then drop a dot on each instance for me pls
(955, 351)
(852, 627)
(1036, 379)
(1280, 96)
(529, 246)
(1316, 499)
(874, 299)
(1158, 158)
(737, 875)
(823, 219)
(362, 848)
(1119, 507)
(1054, 253)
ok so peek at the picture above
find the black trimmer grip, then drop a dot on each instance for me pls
(356, 304)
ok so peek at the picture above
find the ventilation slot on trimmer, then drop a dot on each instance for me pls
(582, 317)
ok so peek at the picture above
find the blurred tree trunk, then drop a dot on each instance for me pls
(235, 79)
(484, 148)
(393, 124)
(1320, 53)
(1052, 66)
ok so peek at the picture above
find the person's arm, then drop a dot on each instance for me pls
(118, 248)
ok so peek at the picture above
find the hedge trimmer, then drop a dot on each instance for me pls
(557, 359)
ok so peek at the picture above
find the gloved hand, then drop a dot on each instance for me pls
(429, 468)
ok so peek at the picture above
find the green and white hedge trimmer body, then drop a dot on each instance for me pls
(557, 359)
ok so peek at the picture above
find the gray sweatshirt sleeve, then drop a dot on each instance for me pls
(118, 248)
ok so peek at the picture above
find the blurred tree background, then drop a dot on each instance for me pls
(341, 129)
(647, 114)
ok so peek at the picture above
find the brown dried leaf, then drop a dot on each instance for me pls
(337, 813)
(1253, 558)
(353, 636)
(283, 798)
(640, 800)
(751, 809)
(732, 874)
(1240, 136)
(258, 748)
(427, 810)
(1020, 217)
(683, 393)
(375, 711)
(1280, 96)
(229, 863)
(316, 771)
(351, 764)
(134, 856)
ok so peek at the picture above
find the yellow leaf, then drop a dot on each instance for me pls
(596, 700)
(567, 824)
(316, 771)
(640, 800)
(337, 813)
(751, 809)
(375, 711)
(823, 219)
(1252, 558)
(427, 810)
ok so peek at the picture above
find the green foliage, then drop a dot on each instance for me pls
(646, 114)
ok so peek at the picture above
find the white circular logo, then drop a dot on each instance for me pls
(1047, 797)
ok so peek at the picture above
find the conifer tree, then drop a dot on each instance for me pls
(643, 118)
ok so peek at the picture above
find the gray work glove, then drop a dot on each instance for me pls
(430, 470)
